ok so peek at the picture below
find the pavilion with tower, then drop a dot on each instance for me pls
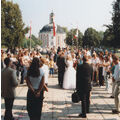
(52, 35)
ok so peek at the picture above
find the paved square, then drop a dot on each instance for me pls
(58, 106)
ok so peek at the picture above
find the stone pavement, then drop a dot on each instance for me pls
(58, 106)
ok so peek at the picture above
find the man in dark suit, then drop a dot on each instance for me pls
(61, 68)
(8, 84)
(83, 84)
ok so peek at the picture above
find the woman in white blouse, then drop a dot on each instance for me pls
(35, 82)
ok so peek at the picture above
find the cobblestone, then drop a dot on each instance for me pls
(58, 106)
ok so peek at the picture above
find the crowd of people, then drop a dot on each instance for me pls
(75, 68)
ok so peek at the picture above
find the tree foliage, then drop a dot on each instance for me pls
(72, 40)
(116, 24)
(107, 38)
(65, 29)
(112, 34)
(91, 38)
(12, 26)
(34, 42)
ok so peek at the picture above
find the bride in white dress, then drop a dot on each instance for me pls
(69, 81)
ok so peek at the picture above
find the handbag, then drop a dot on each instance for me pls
(75, 97)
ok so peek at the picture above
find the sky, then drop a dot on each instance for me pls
(68, 13)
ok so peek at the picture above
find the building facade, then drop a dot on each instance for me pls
(47, 37)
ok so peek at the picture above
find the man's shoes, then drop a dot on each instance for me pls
(114, 111)
(82, 115)
(61, 85)
(111, 96)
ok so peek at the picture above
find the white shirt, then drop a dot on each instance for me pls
(25, 60)
(88, 53)
(101, 63)
(35, 81)
(13, 59)
(116, 74)
(111, 59)
(94, 62)
(46, 72)
(26, 57)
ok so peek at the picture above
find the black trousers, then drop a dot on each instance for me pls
(101, 77)
(60, 77)
(85, 102)
(34, 105)
(95, 77)
(8, 108)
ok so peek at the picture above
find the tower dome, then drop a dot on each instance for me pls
(52, 35)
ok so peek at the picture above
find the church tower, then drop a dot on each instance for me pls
(52, 35)
(52, 15)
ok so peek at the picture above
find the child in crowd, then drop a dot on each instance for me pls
(51, 65)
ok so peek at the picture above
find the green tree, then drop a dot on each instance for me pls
(91, 38)
(26, 43)
(113, 30)
(12, 26)
(108, 37)
(4, 30)
(65, 29)
(101, 34)
(116, 24)
(34, 42)
(72, 40)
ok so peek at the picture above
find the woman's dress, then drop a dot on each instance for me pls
(69, 81)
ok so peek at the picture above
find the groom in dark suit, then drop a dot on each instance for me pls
(61, 68)
(83, 84)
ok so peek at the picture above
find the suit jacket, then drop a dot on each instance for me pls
(61, 64)
(8, 82)
(55, 57)
(83, 77)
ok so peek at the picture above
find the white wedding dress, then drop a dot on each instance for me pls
(69, 81)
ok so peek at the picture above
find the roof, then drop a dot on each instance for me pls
(49, 28)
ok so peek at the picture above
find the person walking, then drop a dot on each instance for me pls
(84, 77)
(35, 83)
(113, 81)
(100, 70)
(8, 84)
(106, 70)
(61, 68)
(94, 62)
(25, 63)
(116, 77)
(45, 70)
